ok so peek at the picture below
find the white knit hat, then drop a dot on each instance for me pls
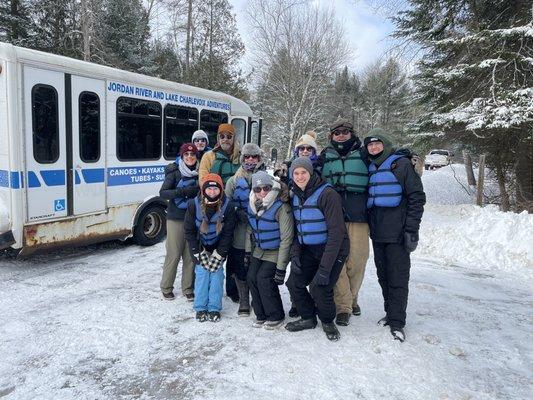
(199, 134)
(307, 139)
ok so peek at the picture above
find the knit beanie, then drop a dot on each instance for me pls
(378, 134)
(302, 162)
(341, 123)
(185, 147)
(261, 178)
(226, 128)
(251, 149)
(212, 180)
(199, 134)
(307, 139)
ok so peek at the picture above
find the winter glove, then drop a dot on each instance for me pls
(195, 258)
(279, 277)
(410, 241)
(296, 265)
(247, 259)
(322, 276)
(215, 261)
(242, 216)
(204, 259)
(191, 191)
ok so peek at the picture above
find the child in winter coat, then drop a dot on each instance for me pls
(209, 225)
(272, 225)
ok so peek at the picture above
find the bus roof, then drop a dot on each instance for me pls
(84, 68)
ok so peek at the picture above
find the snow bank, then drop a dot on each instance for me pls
(447, 185)
(484, 238)
(4, 217)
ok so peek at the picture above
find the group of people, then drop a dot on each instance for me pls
(317, 214)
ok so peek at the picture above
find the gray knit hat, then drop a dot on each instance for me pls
(302, 162)
(261, 178)
(199, 134)
(251, 149)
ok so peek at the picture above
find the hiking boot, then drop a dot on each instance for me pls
(356, 310)
(169, 296)
(189, 297)
(398, 334)
(270, 325)
(293, 312)
(301, 325)
(384, 321)
(332, 333)
(214, 316)
(201, 316)
(258, 323)
(343, 319)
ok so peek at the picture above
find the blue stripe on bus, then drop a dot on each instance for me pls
(93, 175)
(53, 177)
(77, 179)
(4, 178)
(33, 181)
(16, 179)
(119, 176)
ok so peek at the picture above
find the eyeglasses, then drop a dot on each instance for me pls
(189, 154)
(255, 156)
(306, 148)
(339, 132)
(266, 189)
(225, 136)
(200, 140)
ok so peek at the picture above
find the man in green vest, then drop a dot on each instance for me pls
(223, 160)
(345, 166)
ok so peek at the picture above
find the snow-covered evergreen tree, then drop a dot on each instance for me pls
(16, 25)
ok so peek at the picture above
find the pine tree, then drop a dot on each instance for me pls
(16, 26)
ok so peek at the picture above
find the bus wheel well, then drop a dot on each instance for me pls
(150, 223)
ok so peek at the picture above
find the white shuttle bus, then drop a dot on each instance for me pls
(83, 148)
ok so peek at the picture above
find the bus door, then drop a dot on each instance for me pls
(255, 130)
(45, 139)
(88, 145)
(241, 131)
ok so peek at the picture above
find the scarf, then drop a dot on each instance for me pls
(185, 171)
(259, 206)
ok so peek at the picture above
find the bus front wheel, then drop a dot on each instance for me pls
(151, 226)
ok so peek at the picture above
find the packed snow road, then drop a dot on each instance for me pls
(91, 324)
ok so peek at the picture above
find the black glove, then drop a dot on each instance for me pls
(279, 277)
(195, 255)
(247, 259)
(190, 191)
(242, 216)
(410, 241)
(296, 265)
(322, 276)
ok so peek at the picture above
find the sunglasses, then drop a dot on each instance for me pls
(189, 154)
(255, 156)
(200, 140)
(265, 189)
(340, 132)
(225, 136)
(306, 148)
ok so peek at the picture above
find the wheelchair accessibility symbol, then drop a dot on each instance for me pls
(59, 205)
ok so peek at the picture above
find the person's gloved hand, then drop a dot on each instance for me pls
(410, 241)
(191, 191)
(195, 258)
(296, 265)
(247, 260)
(215, 261)
(279, 277)
(204, 259)
(322, 276)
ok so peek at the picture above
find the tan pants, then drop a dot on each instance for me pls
(177, 248)
(347, 288)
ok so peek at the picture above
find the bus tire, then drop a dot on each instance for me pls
(151, 226)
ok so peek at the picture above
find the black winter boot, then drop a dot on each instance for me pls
(343, 319)
(384, 321)
(293, 312)
(398, 334)
(201, 316)
(214, 316)
(332, 333)
(356, 310)
(301, 325)
(244, 298)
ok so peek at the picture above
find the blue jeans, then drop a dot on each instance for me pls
(208, 289)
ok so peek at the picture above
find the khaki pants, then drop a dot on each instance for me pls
(177, 248)
(347, 287)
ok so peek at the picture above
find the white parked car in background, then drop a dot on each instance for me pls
(437, 158)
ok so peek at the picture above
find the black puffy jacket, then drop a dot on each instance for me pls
(169, 191)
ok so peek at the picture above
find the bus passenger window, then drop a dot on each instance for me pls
(138, 129)
(89, 108)
(240, 130)
(209, 122)
(45, 124)
(180, 123)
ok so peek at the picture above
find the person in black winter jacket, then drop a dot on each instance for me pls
(395, 205)
(180, 185)
(319, 248)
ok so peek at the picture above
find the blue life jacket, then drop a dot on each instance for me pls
(266, 227)
(241, 194)
(210, 237)
(310, 221)
(384, 190)
(181, 202)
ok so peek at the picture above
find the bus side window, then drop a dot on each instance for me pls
(255, 132)
(209, 122)
(180, 123)
(89, 106)
(240, 129)
(138, 129)
(45, 124)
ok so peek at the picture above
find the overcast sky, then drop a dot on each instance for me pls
(366, 31)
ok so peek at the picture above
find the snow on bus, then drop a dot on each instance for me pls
(83, 147)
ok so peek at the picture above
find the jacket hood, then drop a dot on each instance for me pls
(388, 144)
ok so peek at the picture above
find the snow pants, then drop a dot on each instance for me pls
(176, 249)
(319, 299)
(235, 267)
(266, 300)
(393, 264)
(208, 289)
(353, 272)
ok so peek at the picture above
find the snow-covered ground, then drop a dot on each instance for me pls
(90, 324)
